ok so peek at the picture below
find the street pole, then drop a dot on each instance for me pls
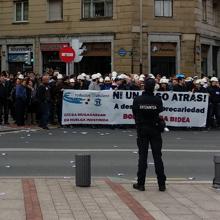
(141, 36)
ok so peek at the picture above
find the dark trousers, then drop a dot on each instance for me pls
(59, 112)
(152, 136)
(44, 113)
(4, 110)
(20, 106)
(213, 117)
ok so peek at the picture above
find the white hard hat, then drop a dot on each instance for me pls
(151, 76)
(124, 76)
(136, 77)
(121, 76)
(164, 80)
(107, 78)
(204, 81)
(142, 76)
(189, 79)
(99, 75)
(56, 73)
(80, 77)
(83, 74)
(59, 76)
(214, 79)
(101, 80)
(141, 79)
(72, 80)
(95, 76)
(114, 74)
(113, 78)
(87, 77)
(198, 81)
(20, 76)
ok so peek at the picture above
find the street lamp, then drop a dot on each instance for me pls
(141, 37)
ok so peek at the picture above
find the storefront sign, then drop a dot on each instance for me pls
(16, 58)
(115, 107)
(19, 49)
(163, 49)
(97, 49)
(53, 46)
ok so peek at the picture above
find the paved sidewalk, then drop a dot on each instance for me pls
(59, 199)
(13, 127)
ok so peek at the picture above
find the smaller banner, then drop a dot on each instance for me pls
(181, 109)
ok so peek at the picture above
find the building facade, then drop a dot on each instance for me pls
(171, 35)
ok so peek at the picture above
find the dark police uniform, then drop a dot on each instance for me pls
(146, 109)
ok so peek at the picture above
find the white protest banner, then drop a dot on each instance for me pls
(98, 107)
(184, 109)
(115, 107)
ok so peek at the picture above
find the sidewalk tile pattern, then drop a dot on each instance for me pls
(59, 199)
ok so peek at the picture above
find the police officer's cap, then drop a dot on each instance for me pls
(149, 84)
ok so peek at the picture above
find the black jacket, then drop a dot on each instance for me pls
(4, 90)
(214, 92)
(43, 94)
(146, 109)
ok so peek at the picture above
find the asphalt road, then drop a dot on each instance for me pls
(113, 152)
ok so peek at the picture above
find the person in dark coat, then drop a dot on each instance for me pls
(43, 98)
(214, 102)
(20, 100)
(146, 109)
(4, 98)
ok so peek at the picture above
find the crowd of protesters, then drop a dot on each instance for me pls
(34, 100)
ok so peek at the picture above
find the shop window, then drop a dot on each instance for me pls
(21, 11)
(216, 13)
(204, 10)
(97, 8)
(163, 8)
(55, 10)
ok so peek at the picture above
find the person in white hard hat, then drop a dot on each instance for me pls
(163, 84)
(107, 84)
(205, 82)
(197, 86)
(82, 83)
(72, 83)
(94, 85)
(114, 74)
(214, 106)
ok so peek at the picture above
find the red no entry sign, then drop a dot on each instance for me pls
(67, 54)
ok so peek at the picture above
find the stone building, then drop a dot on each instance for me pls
(175, 35)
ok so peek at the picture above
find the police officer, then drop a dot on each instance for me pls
(146, 109)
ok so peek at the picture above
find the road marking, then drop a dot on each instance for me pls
(99, 150)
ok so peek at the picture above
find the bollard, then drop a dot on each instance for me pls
(83, 170)
(216, 181)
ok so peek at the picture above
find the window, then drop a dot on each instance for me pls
(163, 8)
(97, 8)
(204, 10)
(55, 10)
(21, 10)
